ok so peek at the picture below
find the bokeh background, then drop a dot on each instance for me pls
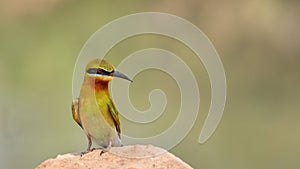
(258, 42)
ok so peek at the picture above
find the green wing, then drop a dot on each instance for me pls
(75, 111)
(115, 115)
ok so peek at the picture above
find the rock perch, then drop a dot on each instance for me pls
(127, 157)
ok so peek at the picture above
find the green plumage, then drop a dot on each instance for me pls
(94, 110)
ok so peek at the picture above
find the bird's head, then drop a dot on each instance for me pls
(102, 70)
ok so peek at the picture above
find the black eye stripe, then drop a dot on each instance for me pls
(92, 71)
(104, 72)
(98, 71)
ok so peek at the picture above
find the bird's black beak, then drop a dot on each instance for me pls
(120, 75)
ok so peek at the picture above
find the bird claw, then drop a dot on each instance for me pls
(87, 151)
(102, 152)
(84, 152)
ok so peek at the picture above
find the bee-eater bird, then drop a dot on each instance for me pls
(94, 110)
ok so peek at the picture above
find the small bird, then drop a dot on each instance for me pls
(94, 110)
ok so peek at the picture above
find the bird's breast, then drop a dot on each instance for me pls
(95, 117)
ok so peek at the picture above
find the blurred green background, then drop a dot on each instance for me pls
(258, 42)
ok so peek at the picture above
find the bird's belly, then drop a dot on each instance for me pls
(94, 124)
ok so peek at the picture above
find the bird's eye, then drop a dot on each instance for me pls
(99, 71)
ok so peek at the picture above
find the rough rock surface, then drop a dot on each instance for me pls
(128, 157)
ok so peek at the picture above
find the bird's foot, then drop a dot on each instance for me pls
(104, 150)
(89, 146)
(83, 153)
(87, 151)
